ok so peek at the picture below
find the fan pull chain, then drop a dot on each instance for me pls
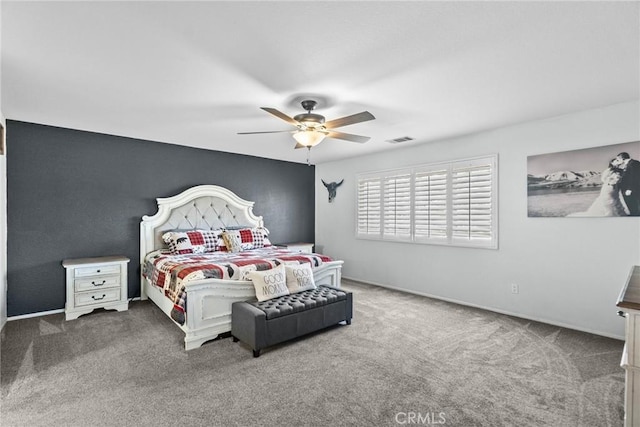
(308, 154)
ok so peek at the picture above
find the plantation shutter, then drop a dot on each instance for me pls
(448, 203)
(472, 201)
(397, 206)
(369, 206)
(430, 205)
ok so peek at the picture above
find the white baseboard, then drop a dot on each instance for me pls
(493, 309)
(38, 314)
(46, 313)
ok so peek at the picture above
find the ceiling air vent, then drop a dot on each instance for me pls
(399, 140)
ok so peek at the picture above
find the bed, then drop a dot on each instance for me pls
(208, 303)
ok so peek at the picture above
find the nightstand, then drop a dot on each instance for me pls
(95, 283)
(297, 247)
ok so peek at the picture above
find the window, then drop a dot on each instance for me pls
(452, 203)
(396, 206)
(369, 219)
(471, 202)
(430, 195)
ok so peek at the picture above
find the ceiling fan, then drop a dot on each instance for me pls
(312, 128)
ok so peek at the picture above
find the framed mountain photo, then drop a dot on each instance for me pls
(592, 182)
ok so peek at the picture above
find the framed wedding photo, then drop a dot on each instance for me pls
(592, 182)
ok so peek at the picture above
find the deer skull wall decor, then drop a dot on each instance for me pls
(331, 188)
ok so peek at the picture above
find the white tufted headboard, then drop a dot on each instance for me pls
(201, 207)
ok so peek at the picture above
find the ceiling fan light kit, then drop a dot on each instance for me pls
(308, 138)
(311, 128)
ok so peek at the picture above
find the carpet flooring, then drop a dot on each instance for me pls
(405, 360)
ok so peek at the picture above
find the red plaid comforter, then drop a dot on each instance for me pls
(172, 272)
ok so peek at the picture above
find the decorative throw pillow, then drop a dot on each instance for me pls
(299, 277)
(269, 283)
(259, 237)
(184, 242)
(231, 241)
(248, 238)
(212, 240)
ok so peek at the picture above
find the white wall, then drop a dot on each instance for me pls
(569, 270)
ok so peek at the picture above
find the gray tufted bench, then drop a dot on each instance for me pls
(266, 323)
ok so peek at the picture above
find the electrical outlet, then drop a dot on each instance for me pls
(514, 288)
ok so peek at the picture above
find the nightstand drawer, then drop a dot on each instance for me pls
(96, 283)
(98, 297)
(97, 270)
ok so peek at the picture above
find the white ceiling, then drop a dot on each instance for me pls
(196, 73)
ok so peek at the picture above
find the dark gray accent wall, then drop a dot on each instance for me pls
(76, 194)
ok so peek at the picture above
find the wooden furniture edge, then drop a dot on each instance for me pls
(632, 285)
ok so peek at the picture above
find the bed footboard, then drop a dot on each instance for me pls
(208, 311)
(329, 273)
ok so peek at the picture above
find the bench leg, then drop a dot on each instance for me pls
(256, 353)
(348, 321)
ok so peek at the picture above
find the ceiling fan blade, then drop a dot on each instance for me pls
(266, 131)
(347, 136)
(349, 120)
(280, 115)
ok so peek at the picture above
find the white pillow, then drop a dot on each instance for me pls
(299, 277)
(269, 283)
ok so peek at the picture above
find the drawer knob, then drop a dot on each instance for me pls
(98, 284)
(97, 271)
(93, 297)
